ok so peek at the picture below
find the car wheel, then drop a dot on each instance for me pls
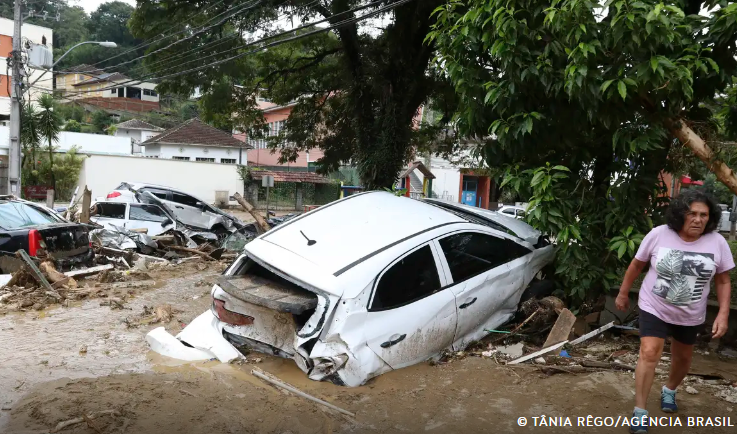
(538, 289)
(220, 231)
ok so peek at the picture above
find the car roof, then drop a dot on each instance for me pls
(518, 227)
(138, 185)
(349, 230)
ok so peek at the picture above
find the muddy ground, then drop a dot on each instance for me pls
(61, 363)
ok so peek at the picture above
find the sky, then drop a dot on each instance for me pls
(91, 5)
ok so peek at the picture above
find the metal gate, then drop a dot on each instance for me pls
(3, 178)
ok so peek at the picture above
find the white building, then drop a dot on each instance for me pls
(194, 140)
(137, 131)
(29, 33)
(90, 144)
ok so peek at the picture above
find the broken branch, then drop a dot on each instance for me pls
(260, 220)
(296, 391)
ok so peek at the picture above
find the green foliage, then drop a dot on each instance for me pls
(65, 170)
(597, 89)
(101, 120)
(73, 126)
(355, 91)
(71, 112)
(718, 190)
(396, 191)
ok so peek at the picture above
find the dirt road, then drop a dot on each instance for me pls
(45, 379)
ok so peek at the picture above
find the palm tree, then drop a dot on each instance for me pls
(29, 136)
(49, 126)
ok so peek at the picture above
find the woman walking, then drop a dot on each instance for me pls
(685, 255)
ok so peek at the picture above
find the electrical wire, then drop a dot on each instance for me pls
(153, 77)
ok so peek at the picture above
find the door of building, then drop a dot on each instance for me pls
(470, 187)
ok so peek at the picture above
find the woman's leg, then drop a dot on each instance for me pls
(651, 348)
(680, 363)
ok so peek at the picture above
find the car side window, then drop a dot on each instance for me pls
(149, 213)
(110, 210)
(161, 194)
(471, 253)
(411, 278)
(184, 199)
(508, 211)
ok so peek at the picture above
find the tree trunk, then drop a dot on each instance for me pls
(51, 163)
(689, 138)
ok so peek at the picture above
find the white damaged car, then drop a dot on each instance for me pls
(367, 284)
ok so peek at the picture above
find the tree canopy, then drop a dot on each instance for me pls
(583, 103)
(356, 89)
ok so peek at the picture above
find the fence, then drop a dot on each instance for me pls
(291, 196)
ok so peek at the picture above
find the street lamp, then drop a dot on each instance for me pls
(106, 44)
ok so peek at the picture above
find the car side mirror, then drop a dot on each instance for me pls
(167, 221)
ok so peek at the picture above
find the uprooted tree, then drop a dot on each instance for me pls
(582, 102)
(356, 88)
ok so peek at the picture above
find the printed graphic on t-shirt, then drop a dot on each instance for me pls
(682, 276)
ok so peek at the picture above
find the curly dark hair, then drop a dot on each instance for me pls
(679, 206)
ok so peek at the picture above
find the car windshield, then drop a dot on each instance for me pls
(16, 215)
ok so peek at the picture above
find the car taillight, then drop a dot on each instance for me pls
(34, 242)
(229, 317)
(113, 194)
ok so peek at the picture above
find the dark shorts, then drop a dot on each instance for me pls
(652, 326)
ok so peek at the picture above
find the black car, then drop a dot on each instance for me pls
(42, 233)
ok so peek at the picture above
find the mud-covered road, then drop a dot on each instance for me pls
(45, 379)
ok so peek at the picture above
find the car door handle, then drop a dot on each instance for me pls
(468, 303)
(180, 207)
(395, 339)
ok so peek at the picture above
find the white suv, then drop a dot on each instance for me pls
(188, 209)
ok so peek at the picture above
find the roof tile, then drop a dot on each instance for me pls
(196, 132)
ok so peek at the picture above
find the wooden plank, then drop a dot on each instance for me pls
(89, 271)
(561, 329)
(537, 353)
(590, 335)
(86, 201)
(272, 295)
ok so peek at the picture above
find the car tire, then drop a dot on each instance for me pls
(538, 289)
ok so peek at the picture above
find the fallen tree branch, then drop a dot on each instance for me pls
(516, 329)
(260, 220)
(61, 425)
(193, 251)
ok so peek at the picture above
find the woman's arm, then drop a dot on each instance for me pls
(634, 270)
(724, 292)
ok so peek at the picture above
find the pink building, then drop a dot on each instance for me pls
(276, 117)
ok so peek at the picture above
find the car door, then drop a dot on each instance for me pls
(191, 213)
(410, 316)
(477, 265)
(149, 217)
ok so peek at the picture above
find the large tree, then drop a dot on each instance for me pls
(583, 103)
(357, 88)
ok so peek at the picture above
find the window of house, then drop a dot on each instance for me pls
(471, 253)
(180, 158)
(412, 278)
(149, 92)
(184, 199)
(114, 91)
(110, 210)
(206, 160)
(227, 160)
(149, 213)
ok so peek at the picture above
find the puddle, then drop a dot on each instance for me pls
(45, 346)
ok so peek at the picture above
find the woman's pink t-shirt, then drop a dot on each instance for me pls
(677, 285)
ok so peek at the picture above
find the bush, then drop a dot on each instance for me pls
(73, 126)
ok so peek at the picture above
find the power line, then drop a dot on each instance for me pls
(152, 77)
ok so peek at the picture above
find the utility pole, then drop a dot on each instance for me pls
(14, 156)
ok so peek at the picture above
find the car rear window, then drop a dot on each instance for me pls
(150, 213)
(16, 215)
(111, 210)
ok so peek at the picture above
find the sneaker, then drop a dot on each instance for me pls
(639, 422)
(668, 401)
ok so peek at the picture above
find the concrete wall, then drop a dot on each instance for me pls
(33, 33)
(89, 143)
(168, 151)
(103, 173)
(447, 179)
